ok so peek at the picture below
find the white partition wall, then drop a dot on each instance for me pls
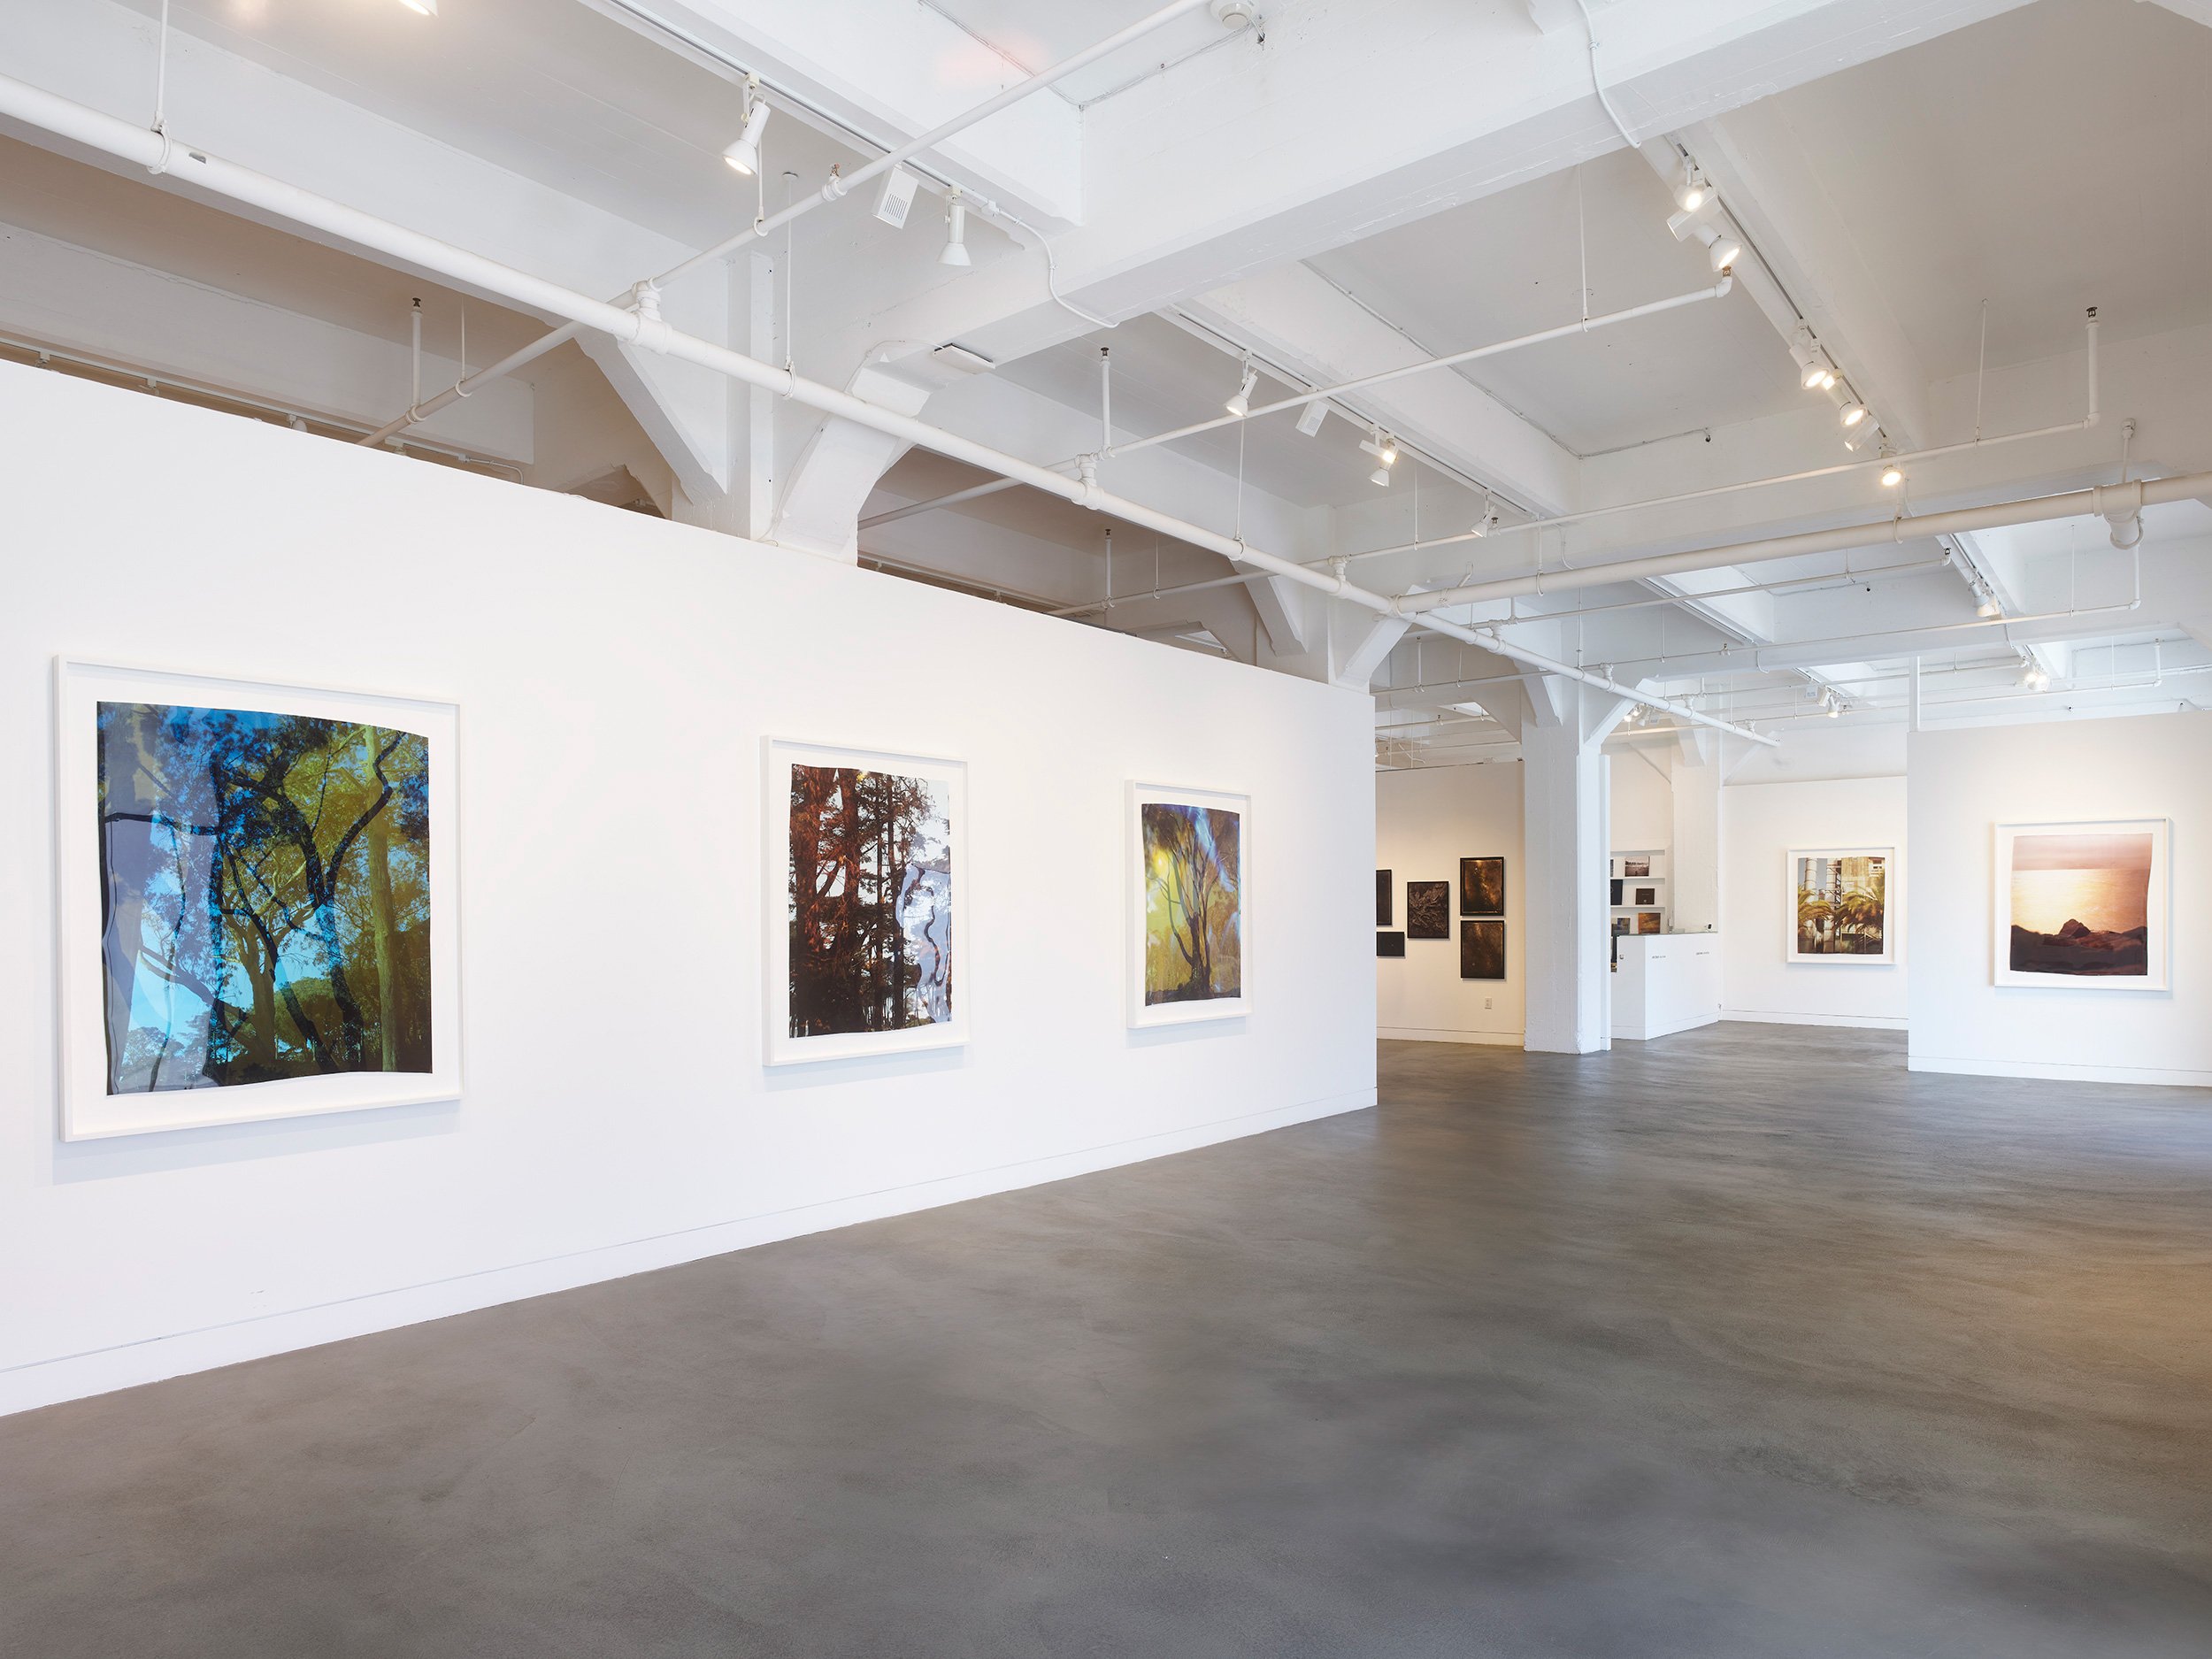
(1761, 824)
(1962, 783)
(615, 678)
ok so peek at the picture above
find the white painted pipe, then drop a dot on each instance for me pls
(2118, 500)
(837, 187)
(1496, 348)
(644, 326)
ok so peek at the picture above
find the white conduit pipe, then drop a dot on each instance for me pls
(645, 327)
(1497, 348)
(836, 189)
(1837, 468)
(2113, 500)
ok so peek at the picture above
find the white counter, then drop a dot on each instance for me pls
(1666, 982)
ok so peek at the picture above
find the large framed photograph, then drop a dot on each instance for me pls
(2082, 905)
(258, 916)
(1190, 937)
(1482, 886)
(1838, 902)
(866, 906)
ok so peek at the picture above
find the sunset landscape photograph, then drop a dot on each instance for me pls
(2080, 900)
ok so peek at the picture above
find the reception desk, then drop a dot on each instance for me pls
(1666, 982)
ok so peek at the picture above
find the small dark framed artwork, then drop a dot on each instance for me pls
(1482, 886)
(1616, 890)
(1390, 944)
(1482, 951)
(1646, 895)
(1382, 898)
(1428, 910)
(1621, 924)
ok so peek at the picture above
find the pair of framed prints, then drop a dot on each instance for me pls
(2078, 905)
(259, 914)
(869, 849)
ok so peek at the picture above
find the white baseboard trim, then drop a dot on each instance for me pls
(101, 1370)
(2060, 1071)
(1666, 1031)
(1413, 1034)
(1857, 1022)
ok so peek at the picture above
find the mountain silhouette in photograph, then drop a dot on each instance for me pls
(2079, 949)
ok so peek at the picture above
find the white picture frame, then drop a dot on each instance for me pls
(1833, 959)
(1143, 1014)
(2158, 902)
(779, 1047)
(87, 1110)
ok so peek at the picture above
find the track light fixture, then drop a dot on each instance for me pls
(1852, 414)
(1989, 610)
(1312, 416)
(1691, 193)
(1835, 705)
(1818, 374)
(1240, 405)
(955, 253)
(1488, 522)
(1725, 250)
(1892, 474)
(2037, 679)
(744, 155)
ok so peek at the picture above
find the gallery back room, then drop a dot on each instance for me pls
(699, 697)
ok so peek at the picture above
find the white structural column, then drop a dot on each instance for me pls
(1567, 838)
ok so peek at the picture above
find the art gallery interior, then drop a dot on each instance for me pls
(700, 694)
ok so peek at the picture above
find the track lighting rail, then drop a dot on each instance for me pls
(837, 187)
(1327, 392)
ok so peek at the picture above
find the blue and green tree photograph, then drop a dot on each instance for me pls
(266, 895)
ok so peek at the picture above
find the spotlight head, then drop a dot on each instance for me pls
(1989, 610)
(2036, 678)
(1852, 415)
(1240, 405)
(1690, 195)
(1384, 450)
(955, 253)
(744, 155)
(1380, 476)
(1892, 475)
(1834, 708)
(1312, 416)
(1817, 373)
(1725, 252)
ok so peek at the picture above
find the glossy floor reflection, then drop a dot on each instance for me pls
(1744, 1342)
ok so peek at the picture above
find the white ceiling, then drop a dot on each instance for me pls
(549, 89)
(1034, 34)
(1510, 264)
(2056, 156)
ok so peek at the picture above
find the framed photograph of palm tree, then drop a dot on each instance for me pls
(1190, 936)
(866, 907)
(257, 915)
(1839, 901)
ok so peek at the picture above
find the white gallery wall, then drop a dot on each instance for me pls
(616, 678)
(1643, 801)
(1426, 822)
(1761, 824)
(1961, 783)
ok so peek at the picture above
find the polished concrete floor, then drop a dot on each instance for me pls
(1745, 1342)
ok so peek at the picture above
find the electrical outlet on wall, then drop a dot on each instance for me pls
(1486, 1004)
